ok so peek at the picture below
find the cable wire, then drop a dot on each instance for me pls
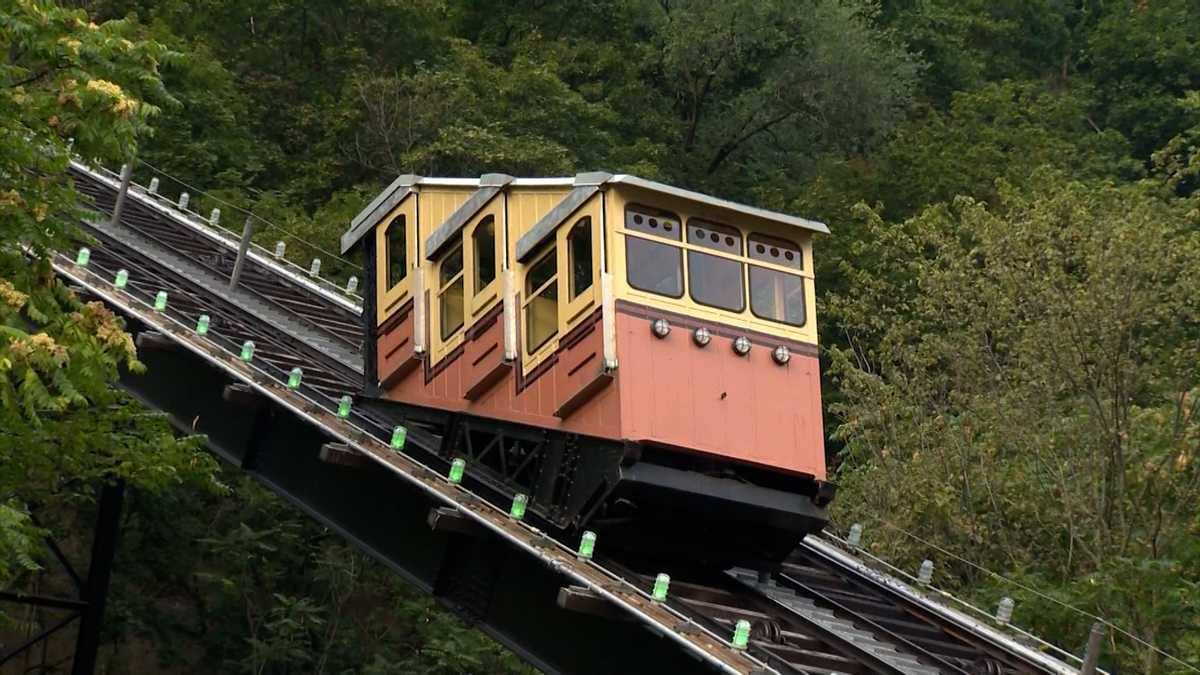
(235, 207)
(1039, 594)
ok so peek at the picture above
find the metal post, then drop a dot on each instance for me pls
(1092, 657)
(126, 177)
(247, 230)
(104, 548)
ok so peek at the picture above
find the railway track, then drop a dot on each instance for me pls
(816, 614)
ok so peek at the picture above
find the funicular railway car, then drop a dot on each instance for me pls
(637, 358)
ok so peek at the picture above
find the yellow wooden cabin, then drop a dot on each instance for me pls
(530, 276)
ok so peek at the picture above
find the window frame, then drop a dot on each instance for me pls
(678, 244)
(694, 249)
(576, 306)
(801, 243)
(798, 272)
(401, 220)
(527, 297)
(389, 298)
(442, 287)
(480, 300)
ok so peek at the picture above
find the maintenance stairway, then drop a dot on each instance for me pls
(824, 612)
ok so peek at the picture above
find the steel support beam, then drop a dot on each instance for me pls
(104, 549)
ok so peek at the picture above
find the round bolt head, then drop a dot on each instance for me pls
(701, 336)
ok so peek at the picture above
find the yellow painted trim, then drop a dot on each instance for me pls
(476, 301)
(389, 300)
(570, 312)
(481, 300)
(440, 348)
(619, 200)
(721, 254)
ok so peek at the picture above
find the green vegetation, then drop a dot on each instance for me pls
(1009, 300)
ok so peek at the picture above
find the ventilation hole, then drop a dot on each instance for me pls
(667, 225)
(637, 218)
(760, 248)
(700, 234)
(715, 237)
(729, 241)
(774, 252)
(653, 222)
(789, 255)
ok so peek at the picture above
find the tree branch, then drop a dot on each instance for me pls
(729, 147)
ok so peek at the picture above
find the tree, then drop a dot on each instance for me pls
(1022, 389)
(777, 84)
(62, 427)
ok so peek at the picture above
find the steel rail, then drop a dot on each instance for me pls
(334, 320)
(706, 646)
(984, 637)
(863, 620)
(220, 235)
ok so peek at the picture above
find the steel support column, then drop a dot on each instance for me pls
(95, 589)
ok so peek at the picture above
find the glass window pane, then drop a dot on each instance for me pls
(484, 241)
(451, 265)
(776, 251)
(452, 308)
(397, 251)
(715, 236)
(711, 280)
(653, 221)
(654, 267)
(579, 245)
(540, 272)
(450, 295)
(777, 296)
(541, 312)
(716, 281)
(651, 266)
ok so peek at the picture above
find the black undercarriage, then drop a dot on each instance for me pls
(654, 501)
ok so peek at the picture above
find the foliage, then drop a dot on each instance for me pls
(1028, 255)
(776, 83)
(62, 428)
(1022, 388)
(244, 583)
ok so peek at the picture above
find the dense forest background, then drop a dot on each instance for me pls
(1010, 301)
